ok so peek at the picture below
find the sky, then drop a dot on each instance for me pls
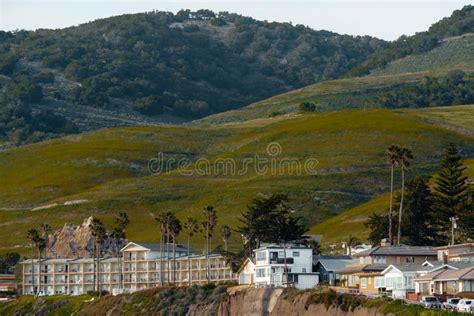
(383, 19)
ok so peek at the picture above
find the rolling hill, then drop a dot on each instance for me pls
(101, 173)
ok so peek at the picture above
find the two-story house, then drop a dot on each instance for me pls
(458, 252)
(270, 266)
(366, 276)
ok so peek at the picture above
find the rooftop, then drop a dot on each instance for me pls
(278, 246)
(155, 246)
(401, 250)
(333, 264)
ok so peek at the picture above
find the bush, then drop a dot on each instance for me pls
(307, 107)
(148, 105)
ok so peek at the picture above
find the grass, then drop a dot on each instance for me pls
(28, 305)
(452, 53)
(108, 170)
(351, 221)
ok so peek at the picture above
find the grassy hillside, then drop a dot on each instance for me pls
(361, 92)
(452, 53)
(106, 171)
(351, 222)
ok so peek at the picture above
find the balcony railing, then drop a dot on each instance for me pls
(281, 261)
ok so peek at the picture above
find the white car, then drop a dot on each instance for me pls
(464, 306)
(451, 303)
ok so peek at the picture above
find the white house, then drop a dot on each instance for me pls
(270, 266)
(247, 272)
(399, 279)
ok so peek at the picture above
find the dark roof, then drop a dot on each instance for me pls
(364, 268)
(155, 246)
(401, 250)
(333, 264)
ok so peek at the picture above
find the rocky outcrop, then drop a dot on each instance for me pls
(71, 241)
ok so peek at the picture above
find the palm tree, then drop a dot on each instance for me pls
(226, 232)
(99, 233)
(168, 222)
(45, 231)
(351, 241)
(175, 229)
(35, 242)
(118, 236)
(208, 225)
(393, 153)
(161, 220)
(404, 162)
(191, 226)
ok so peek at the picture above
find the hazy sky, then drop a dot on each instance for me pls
(383, 19)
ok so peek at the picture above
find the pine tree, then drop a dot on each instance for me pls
(450, 192)
(418, 215)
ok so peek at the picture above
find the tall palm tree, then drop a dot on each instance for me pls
(208, 225)
(175, 229)
(35, 242)
(161, 220)
(99, 233)
(393, 153)
(168, 222)
(226, 232)
(404, 162)
(118, 235)
(191, 226)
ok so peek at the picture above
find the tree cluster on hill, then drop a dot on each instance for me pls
(460, 22)
(429, 210)
(19, 123)
(455, 88)
(189, 64)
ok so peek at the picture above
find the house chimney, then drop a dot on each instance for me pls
(445, 258)
(385, 242)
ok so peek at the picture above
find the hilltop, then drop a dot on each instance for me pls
(140, 69)
(101, 173)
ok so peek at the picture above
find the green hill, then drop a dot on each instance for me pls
(361, 92)
(159, 66)
(452, 53)
(351, 222)
(101, 173)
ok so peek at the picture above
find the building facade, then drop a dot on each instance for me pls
(459, 252)
(270, 266)
(142, 266)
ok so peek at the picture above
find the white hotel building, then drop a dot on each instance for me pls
(140, 269)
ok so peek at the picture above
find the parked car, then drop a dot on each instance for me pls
(464, 306)
(451, 303)
(430, 302)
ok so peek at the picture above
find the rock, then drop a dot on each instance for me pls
(71, 241)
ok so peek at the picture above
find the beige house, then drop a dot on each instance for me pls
(448, 281)
(459, 252)
(366, 275)
(140, 268)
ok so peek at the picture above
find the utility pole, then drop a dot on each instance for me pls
(453, 227)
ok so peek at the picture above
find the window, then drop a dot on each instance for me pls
(363, 283)
(304, 270)
(380, 259)
(261, 255)
(281, 254)
(260, 273)
(296, 253)
(410, 259)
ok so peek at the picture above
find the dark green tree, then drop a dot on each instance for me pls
(257, 219)
(418, 216)
(451, 191)
(377, 225)
(100, 234)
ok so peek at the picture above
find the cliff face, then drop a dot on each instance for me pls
(267, 301)
(238, 301)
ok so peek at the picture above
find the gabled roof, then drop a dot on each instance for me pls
(278, 246)
(154, 246)
(246, 261)
(333, 264)
(461, 274)
(409, 267)
(401, 250)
